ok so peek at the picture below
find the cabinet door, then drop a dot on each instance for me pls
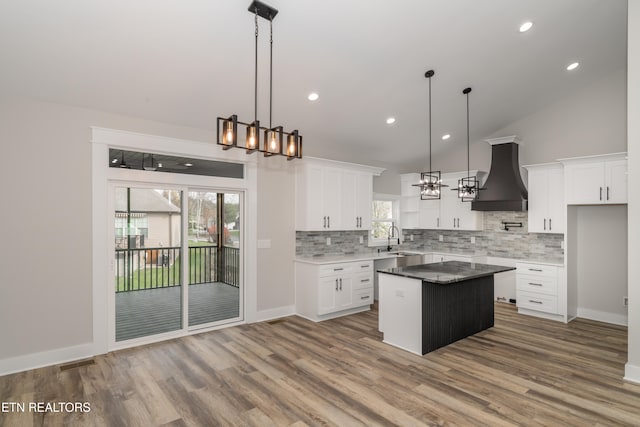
(313, 209)
(538, 200)
(364, 199)
(430, 214)
(468, 219)
(328, 288)
(449, 205)
(555, 203)
(350, 219)
(344, 296)
(585, 184)
(332, 197)
(616, 181)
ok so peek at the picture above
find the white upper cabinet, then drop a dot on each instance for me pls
(333, 195)
(546, 198)
(596, 179)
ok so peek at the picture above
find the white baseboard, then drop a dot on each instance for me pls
(275, 313)
(46, 358)
(603, 316)
(632, 373)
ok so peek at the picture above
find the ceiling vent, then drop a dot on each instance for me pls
(503, 190)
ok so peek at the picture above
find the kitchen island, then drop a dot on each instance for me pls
(425, 307)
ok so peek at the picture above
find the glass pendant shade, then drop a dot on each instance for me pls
(228, 132)
(272, 141)
(294, 145)
(253, 136)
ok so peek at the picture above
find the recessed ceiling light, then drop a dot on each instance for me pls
(573, 66)
(445, 137)
(391, 120)
(526, 26)
(188, 164)
(313, 96)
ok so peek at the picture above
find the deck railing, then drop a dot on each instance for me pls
(151, 268)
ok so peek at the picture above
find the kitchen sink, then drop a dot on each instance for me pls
(406, 259)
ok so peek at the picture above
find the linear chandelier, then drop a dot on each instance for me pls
(273, 137)
(430, 182)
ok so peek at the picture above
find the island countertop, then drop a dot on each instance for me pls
(447, 272)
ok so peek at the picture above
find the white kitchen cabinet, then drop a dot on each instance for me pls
(332, 290)
(546, 198)
(333, 195)
(596, 179)
(541, 290)
(455, 214)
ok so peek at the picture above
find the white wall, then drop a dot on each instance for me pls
(387, 183)
(276, 224)
(601, 255)
(632, 371)
(45, 262)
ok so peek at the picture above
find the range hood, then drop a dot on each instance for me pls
(503, 190)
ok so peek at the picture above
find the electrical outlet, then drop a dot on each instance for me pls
(328, 241)
(411, 237)
(625, 301)
(473, 239)
(441, 238)
(361, 240)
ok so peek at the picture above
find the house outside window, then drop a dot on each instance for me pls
(385, 213)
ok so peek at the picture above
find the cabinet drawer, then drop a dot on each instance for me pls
(538, 302)
(537, 284)
(536, 270)
(363, 280)
(363, 297)
(359, 267)
(335, 269)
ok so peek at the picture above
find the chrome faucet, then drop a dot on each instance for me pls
(390, 234)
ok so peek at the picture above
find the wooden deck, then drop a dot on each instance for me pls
(154, 311)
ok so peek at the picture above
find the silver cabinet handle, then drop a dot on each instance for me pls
(341, 283)
(549, 224)
(324, 222)
(328, 222)
(607, 193)
(545, 223)
(535, 302)
(338, 269)
(366, 297)
(364, 280)
(600, 193)
(458, 222)
(535, 284)
(454, 223)
(364, 266)
(438, 222)
(336, 284)
(535, 269)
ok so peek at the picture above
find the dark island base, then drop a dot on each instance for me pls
(455, 311)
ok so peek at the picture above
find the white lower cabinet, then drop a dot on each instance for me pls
(332, 290)
(541, 290)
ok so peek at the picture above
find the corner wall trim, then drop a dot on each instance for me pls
(632, 373)
(45, 358)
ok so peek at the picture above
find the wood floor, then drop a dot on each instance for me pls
(524, 371)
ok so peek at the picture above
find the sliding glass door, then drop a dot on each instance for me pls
(149, 225)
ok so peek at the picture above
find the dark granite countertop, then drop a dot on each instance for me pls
(447, 272)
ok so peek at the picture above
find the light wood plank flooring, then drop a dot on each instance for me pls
(524, 371)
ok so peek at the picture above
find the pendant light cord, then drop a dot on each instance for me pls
(270, 68)
(468, 163)
(430, 169)
(255, 108)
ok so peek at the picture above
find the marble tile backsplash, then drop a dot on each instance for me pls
(492, 241)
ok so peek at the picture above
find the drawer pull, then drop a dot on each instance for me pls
(535, 302)
(365, 266)
(338, 269)
(365, 297)
(536, 269)
(364, 280)
(535, 284)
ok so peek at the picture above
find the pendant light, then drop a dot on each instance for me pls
(468, 187)
(430, 182)
(274, 137)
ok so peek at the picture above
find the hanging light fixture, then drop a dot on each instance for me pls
(430, 182)
(273, 140)
(468, 187)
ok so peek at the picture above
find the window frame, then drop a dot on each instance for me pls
(395, 217)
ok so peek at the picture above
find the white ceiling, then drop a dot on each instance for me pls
(187, 62)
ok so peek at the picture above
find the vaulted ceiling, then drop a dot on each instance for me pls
(187, 62)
